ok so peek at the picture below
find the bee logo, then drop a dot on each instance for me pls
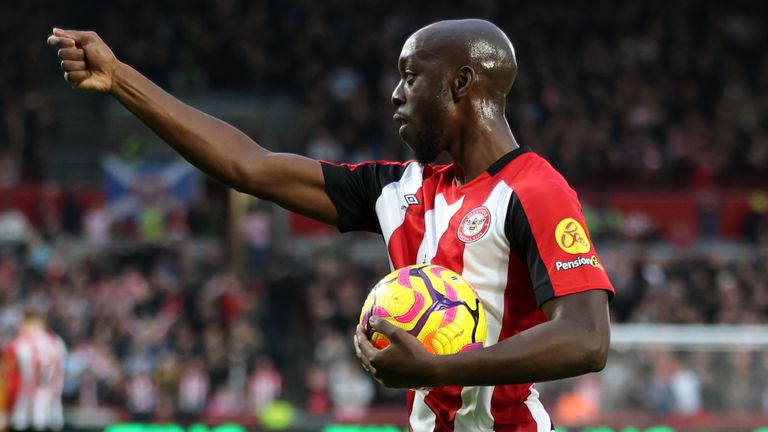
(474, 225)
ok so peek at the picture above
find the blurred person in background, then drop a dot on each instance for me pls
(15, 229)
(351, 391)
(256, 229)
(142, 396)
(674, 388)
(193, 391)
(265, 385)
(318, 402)
(580, 406)
(32, 373)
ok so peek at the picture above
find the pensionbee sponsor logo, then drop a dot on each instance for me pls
(578, 262)
(572, 237)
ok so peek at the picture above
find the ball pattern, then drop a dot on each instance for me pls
(432, 303)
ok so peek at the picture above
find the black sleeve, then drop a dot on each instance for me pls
(354, 189)
(521, 239)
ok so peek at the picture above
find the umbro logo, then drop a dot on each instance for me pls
(411, 199)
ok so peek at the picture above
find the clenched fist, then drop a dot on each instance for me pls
(87, 62)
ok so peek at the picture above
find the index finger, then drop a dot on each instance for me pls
(60, 42)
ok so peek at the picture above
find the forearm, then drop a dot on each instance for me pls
(549, 351)
(212, 145)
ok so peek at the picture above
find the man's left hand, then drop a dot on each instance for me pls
(403, 364)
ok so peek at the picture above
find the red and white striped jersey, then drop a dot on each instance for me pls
(141, 394)
(34, 364)
(264, 387)
(193, 390)
(516, 233)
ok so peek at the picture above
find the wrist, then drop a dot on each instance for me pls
(119, 73)
(436, 370)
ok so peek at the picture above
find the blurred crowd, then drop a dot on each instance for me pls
(665, 384)
(621, 93)
(173, 331)
(685, 290)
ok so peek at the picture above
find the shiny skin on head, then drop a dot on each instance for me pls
(454, 75)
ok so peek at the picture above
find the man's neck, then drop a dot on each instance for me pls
(476, 152)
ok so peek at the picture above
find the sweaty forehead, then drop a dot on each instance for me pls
(429, 47)
(412, 50)
(410, 47)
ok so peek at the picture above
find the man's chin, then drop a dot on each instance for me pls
(425, 159)
(421, 157)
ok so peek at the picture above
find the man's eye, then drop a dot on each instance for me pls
(409, 79)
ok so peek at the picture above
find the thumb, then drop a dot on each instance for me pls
(80, 37)
(385, 327)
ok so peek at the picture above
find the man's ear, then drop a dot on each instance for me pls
(464, 80)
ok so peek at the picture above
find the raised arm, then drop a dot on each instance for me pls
(220, 150)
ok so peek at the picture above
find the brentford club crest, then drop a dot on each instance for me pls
(474, 225)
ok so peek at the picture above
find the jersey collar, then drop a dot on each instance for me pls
(503, 161)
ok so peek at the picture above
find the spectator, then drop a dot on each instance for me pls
(265, 384)
(193, 391)
(318, 398)
(256, 228)
(351, 390)
(14, 226)
(141, 397)
(32, 374)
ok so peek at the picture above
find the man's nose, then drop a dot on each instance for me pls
(398, 96)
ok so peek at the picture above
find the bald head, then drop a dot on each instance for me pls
(476, 43)
(454, 79)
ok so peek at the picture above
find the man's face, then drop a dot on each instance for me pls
(421, 100)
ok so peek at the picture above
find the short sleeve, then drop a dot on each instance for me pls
(354, 189)
(546, 226)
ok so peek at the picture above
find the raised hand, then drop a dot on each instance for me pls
(87, 62)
